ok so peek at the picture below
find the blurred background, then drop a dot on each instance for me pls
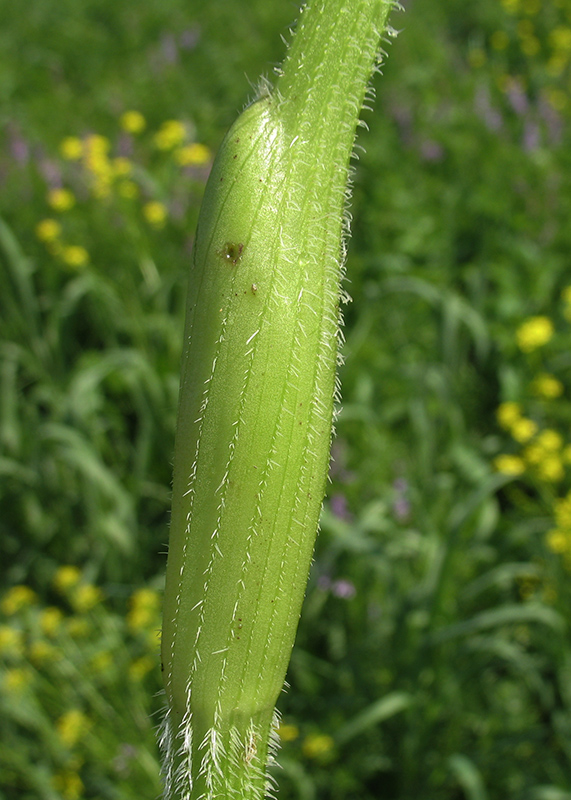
(433, 658)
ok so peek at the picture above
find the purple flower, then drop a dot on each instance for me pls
(338, 504)
(343, 589)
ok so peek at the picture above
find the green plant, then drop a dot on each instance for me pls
(256, 403)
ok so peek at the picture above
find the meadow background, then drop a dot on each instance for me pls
(433, 658)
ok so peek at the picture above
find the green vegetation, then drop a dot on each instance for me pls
(434, 653)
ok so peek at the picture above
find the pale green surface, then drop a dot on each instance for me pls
(252, 447)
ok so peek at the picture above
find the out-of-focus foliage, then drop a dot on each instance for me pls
(434, 652)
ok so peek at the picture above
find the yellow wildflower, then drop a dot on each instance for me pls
(86, 597)
(48, 230)
(317, 745)
(66, 578)
(16, 598)
(144, 611)
(534, 333)
(550, 440)
(557, 541)
(563, 512)
(16, 680)
(155, 213)
(551, 469)
(11, 641)
(50, 620)
(193, 155)
(121, 166)
(509, 465)
(547, 386)
(97, 144)
(61, 199)
(141, 667)
(102, 662)
(74, 256)
(171, 134)
(523, 429)
(72, 726)
(530, 45)
(557, 98)
(132, 122)
(127, 189)
(288, 733)
(41, 652)
(508, 413)
(78, 627)
(71, 148)
(68, 784)
(560, 38)
(499, 40)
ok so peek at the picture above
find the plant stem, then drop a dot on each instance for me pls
(256, 404)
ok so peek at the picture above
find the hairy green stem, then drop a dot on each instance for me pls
(256, 404)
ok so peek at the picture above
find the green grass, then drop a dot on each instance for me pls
(434, 654)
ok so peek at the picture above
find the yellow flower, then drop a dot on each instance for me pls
(50, 620)
(78, 627)
(499, 40)
(563, 512)
(141, 667)
(41, 652)
(11, 641)
(121, 166)
(74, 256)
(155, 213)
(193, 155)
(560, 39)
(171, 134)
(317, 745)
(557, 541)
(101, 662)
(547, 386)
(550, 440)
(127, 189)
(68, 784)
(288, 733)
(71, 148)
(48, 230)
(16, 598)
(508, 413)
(551, 469)
(132, 122)
(523, 429)
(511, 6)
(66, 578)
(534, 333)
(530, 45)
(86, 597)
(557, 98)
(16, 680)
(97, 144)
(144, 611)
(72, 726)
(509, 465)
(61, 199)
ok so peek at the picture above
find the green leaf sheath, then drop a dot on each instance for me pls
(256, 403)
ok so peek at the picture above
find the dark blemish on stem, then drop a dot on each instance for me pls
(232, 252)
